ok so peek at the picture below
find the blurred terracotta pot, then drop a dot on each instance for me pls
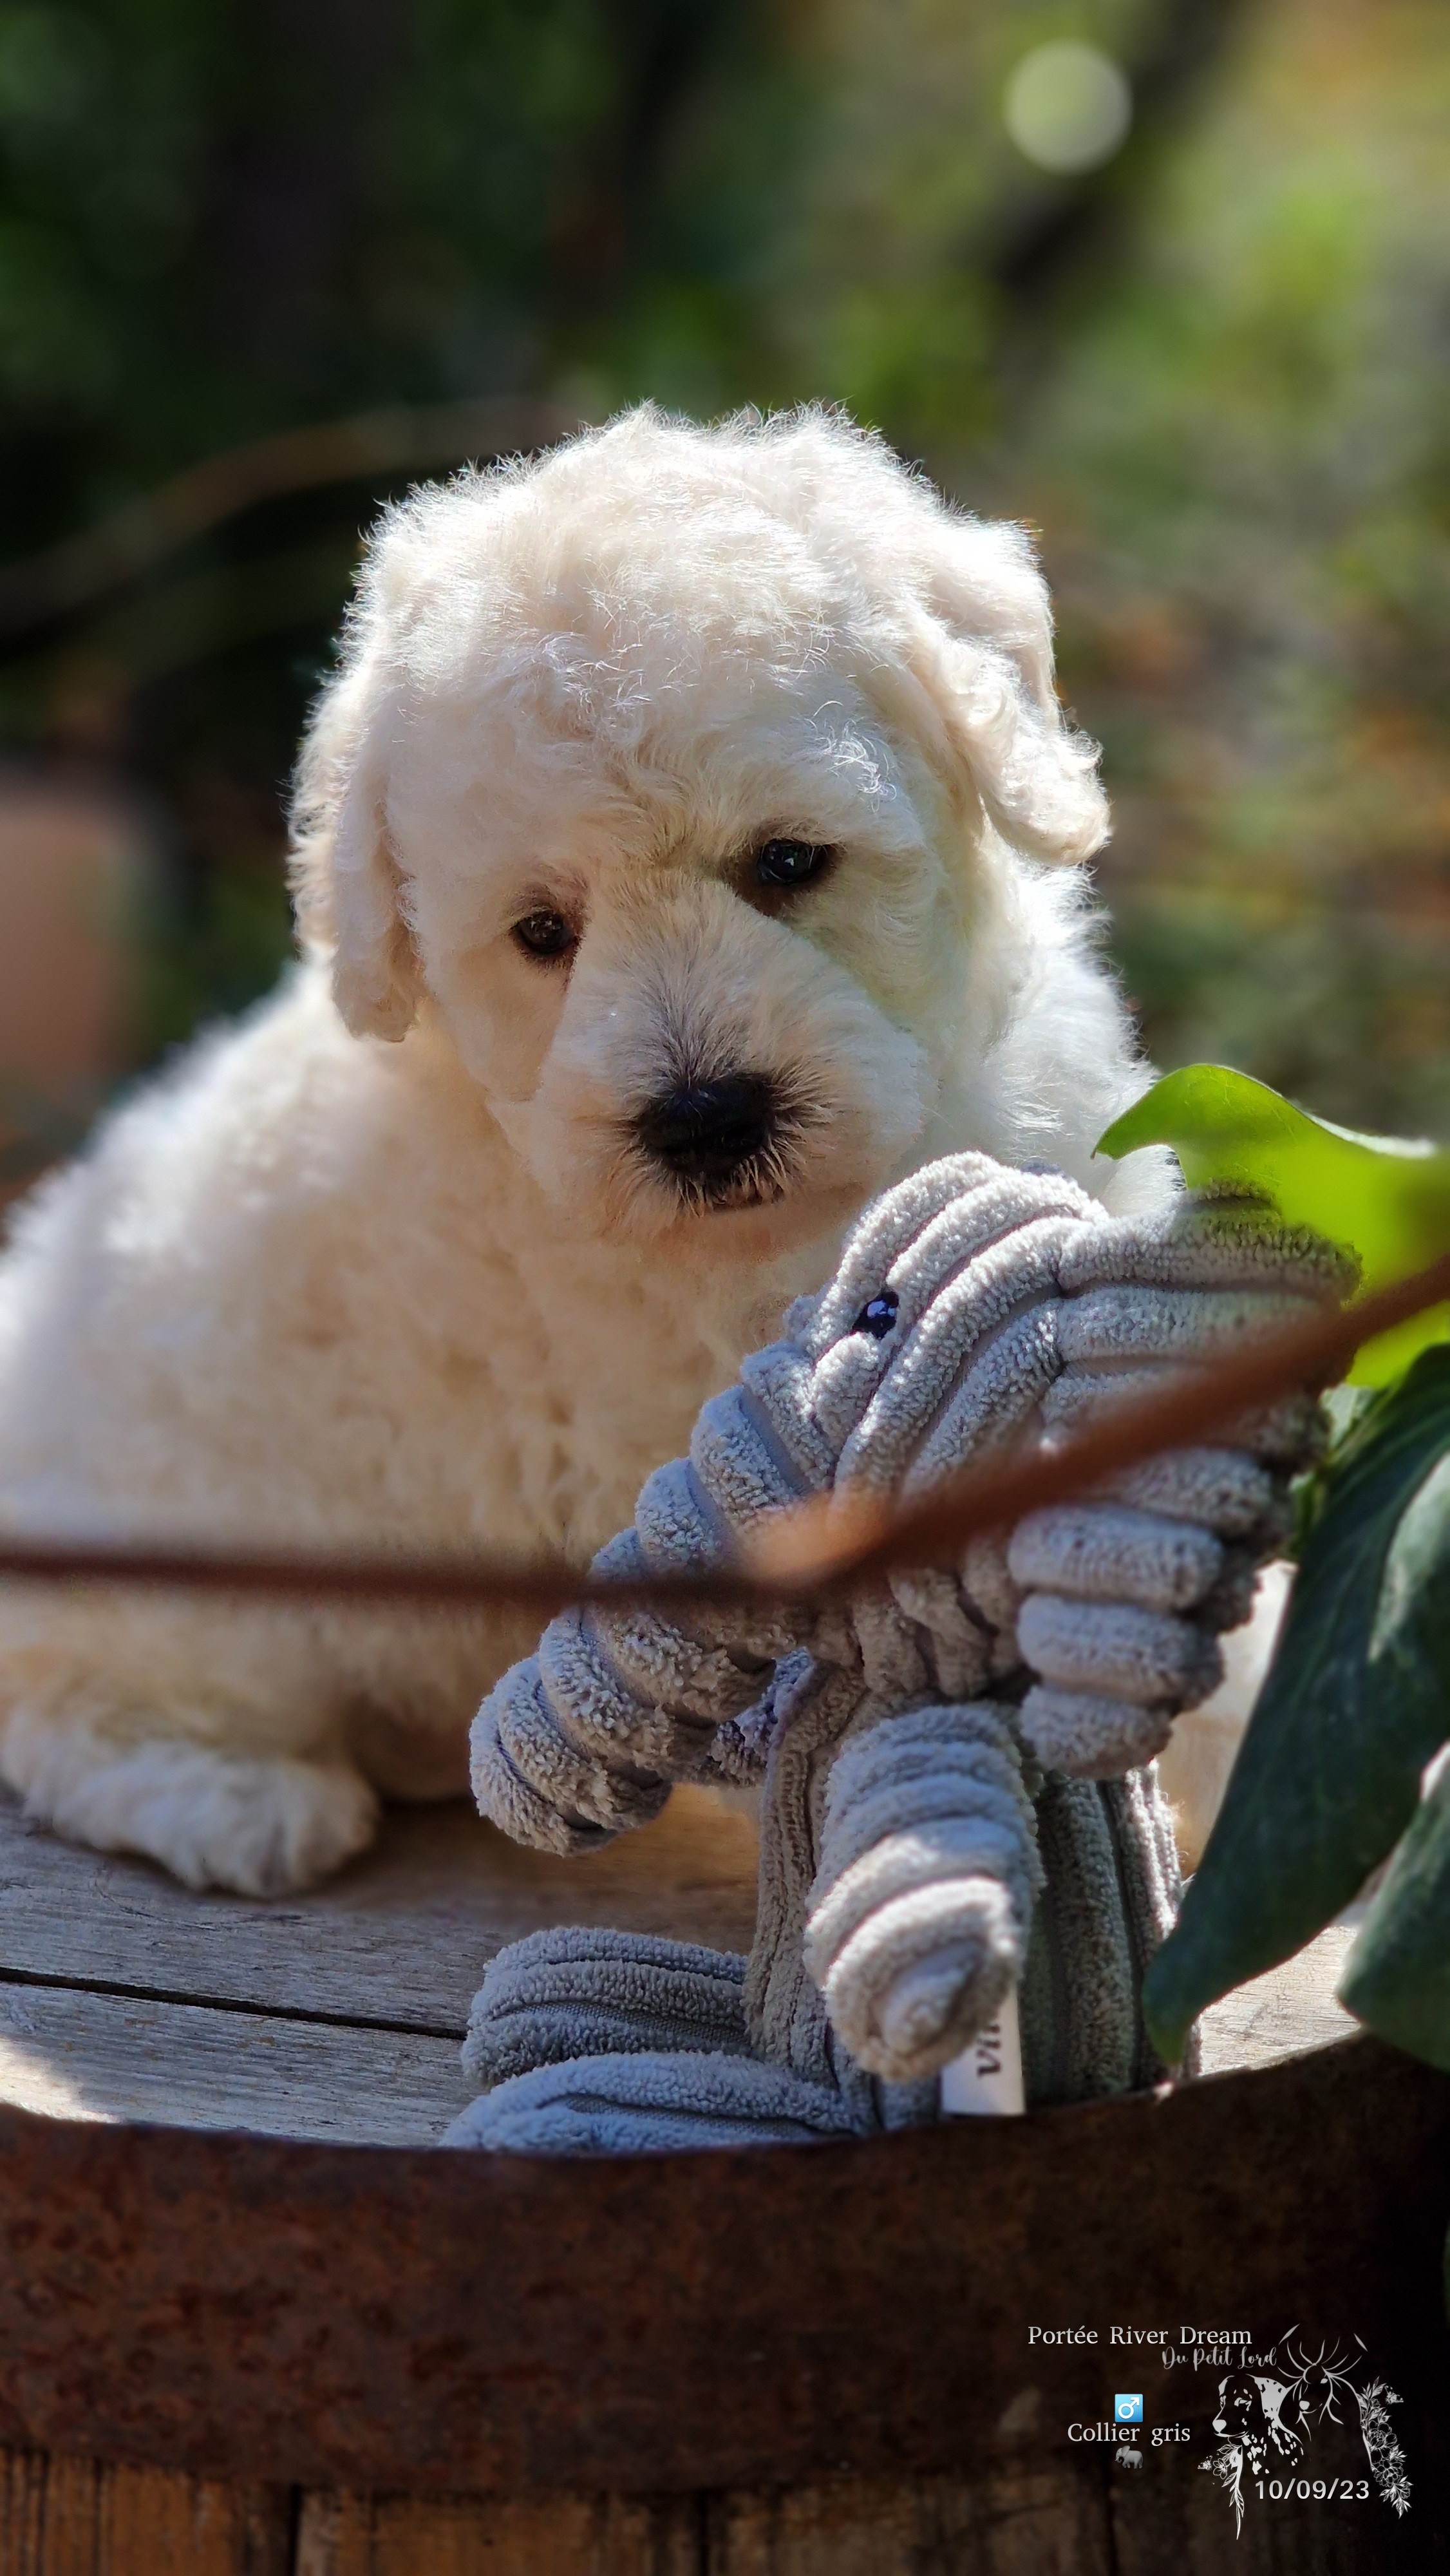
(74, 857)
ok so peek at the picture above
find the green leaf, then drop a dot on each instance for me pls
(1356, 1702)
(1387, 1199)
(1398, 1977)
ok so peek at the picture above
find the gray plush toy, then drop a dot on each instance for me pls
(955, 1799)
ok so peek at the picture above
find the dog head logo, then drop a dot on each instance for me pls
(692, 787)
(1241, 2414)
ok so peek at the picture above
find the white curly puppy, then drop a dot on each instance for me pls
(688, 845)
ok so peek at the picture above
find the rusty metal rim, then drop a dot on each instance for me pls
(408, 2319)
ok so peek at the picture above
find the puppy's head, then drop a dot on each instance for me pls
(691, 779)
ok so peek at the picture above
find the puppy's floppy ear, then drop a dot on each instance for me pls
(978, 686)
(346, 882)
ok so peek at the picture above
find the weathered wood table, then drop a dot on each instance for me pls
(251, 2326)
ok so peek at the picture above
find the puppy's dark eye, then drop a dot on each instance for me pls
(878, 1315)
(546, 934)
(785, 866)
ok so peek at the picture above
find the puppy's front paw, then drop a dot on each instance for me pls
(264, 1828)
(259, 1825)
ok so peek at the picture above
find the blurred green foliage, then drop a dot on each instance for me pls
(1212, 373)
(1244, 469)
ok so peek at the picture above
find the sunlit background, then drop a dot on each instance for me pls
(1168, 278)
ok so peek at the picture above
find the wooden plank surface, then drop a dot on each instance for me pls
(1048, 2521)
(61, 2517)
(400, 1939)
(78, 2055)
(81, 2056)
(349, 2535)
(336, 2015)
(1282, 2014)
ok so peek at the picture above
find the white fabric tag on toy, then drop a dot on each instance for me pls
(988, 2075)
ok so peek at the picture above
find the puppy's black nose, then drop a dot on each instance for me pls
(708, 1132)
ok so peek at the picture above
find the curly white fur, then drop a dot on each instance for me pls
(388, 1262)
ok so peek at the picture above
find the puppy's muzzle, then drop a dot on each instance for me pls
(712, 1136)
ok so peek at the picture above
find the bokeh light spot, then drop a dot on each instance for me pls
(1068, 107)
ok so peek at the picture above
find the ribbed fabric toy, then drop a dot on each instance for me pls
(956, 1800)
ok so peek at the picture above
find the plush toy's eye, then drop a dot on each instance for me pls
(546, 934)
(785, 866)
(878, 1315)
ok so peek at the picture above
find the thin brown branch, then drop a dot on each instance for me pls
(82, 568)
(812, 1548)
